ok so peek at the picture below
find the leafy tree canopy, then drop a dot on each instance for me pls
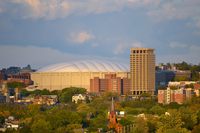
(15, 85)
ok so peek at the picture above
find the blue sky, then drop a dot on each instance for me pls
(43, 32)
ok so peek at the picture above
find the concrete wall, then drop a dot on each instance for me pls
(58, 81)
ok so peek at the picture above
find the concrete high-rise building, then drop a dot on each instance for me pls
(142, 68)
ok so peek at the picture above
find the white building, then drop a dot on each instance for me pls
(76, 74)
(78, 97)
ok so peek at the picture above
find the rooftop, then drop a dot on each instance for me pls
(87, 66)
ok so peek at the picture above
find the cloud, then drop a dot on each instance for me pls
(52, 9)
(159, 10)
(122, 47)
(177, 45)
(35, 9)
(81, 37)
(177, 10)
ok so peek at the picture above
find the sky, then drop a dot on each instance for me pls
(44, 32)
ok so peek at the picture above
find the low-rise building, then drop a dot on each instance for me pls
(78, 97)
(45, 99)
(181, 83)
(197, 89)
(12, 123)
(40, 99)
(178, 94)
(20, 77)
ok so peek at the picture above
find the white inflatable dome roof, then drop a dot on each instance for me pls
(87, 66)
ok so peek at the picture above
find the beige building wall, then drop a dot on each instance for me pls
(61, 80)
(142, 70)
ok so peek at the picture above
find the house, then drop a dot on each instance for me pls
(11, 122)
(197, 89)
(40, 99)
(45, 99)
(78, 97)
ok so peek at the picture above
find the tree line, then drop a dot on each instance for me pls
(70, 117)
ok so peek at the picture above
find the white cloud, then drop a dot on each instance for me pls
(51, 9)
(35, 9)
(122, 47)
(177, 10)
(81, 37)
(159, 10)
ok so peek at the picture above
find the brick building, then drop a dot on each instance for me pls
(21, 77)
(111, 83)
(179, 95)
(197, 89)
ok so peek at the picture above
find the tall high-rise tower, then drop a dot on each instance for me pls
(142, 68)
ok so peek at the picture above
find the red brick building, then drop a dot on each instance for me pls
(179, 95)
(21, 77)
(110, 83)
(197, 89)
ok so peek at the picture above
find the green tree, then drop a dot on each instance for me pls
(25, 93)
(157, 110)
(183, 66)
(61, 130)
(170, 122)
(125, 121)
(135, 111)
(189, 117)
(15, 85)
(41, 92)
(84, 109)
(152, 123)
(33, 109)
(140, 126)
(98, 122)
(196, 129)
(41, 126)
(183, 78)
(2, 120)
(67, 93)
(74, 128)
(195, 72)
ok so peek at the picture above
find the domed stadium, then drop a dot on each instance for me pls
(76, 74)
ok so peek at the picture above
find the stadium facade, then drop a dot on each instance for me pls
(76, 74)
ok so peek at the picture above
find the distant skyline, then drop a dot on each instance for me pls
(44, 32)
